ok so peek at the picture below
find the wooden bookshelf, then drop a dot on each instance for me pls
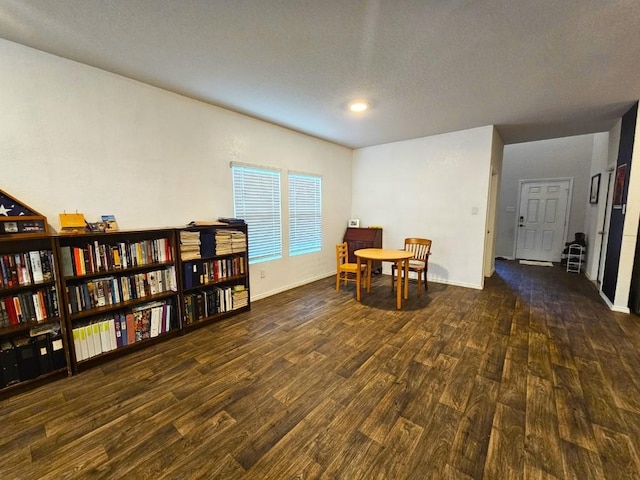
(33, 339)
(120, 292)
(214, 273)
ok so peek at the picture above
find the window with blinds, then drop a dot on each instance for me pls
(305, 213)
(257, 199)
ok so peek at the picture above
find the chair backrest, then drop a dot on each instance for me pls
(420, 247)
(342, 253)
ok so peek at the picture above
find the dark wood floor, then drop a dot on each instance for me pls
(531, 378)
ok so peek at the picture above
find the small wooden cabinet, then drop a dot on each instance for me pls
(358, 238)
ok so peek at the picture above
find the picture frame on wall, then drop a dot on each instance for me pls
(618, 186)
(595, 188)
(354, 223)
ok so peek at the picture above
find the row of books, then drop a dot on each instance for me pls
(189, 245)
(100, 292)
(208, 243)
(239, 297)
(26, 268)
(205, 303)
(230, 241)
(121, 329)
(199, 273)
(30, 306)
(99, 257)
(26, 358)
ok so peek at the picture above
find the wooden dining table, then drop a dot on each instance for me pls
(401, 259)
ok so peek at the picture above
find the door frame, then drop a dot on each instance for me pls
(603, 233)
(521, 183)
(492, 216)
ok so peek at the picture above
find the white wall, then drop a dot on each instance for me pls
(557, 158)
(78, 138)
(430, 187)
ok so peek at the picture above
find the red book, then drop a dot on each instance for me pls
(131, 329)
(11, 310)
(78, 262)
(43, 309)
(11, 261)
(167, 249)
(18, 309)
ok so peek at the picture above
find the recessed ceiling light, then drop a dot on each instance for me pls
(358, 106)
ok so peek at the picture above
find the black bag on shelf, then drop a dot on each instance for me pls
(28, 361)
(8, 364)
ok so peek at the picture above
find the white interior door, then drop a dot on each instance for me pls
(542, 219)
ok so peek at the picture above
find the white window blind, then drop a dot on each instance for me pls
(256, 199)
(305, 213)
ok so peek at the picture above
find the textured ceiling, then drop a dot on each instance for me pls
(536, 69)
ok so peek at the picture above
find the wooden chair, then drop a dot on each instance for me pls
(344, 268)
(421, 249)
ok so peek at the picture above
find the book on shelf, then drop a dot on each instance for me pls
(43, 353)
(28, 362)
(97, 340)
(95, 257)
(118, 330)
(207, 243)
(239, 296)
(36, 266)
(58, 358)
(231, 220)
(130, 328)
(104, 291)
(9, 364)
(189, 245)
(206, 223)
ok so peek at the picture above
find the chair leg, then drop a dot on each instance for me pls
(419, 284)
(426, 286)
(338, 282)
(393, 275)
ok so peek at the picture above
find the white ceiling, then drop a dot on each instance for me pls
(536, 69)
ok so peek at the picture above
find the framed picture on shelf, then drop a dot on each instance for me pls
(618, 186)
(354, 223)
(595, 188)
(18, 217)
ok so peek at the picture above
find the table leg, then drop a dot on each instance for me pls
(399, 287)
(369, 262)
(406, 279)
(358, 277)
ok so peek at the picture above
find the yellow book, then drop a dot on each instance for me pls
(84, 348)
(116, 258)
(96, 338)
(76, 344)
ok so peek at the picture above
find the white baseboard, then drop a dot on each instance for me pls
(443, 281)
(332, 274)
(291, 286)
(612, 307)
